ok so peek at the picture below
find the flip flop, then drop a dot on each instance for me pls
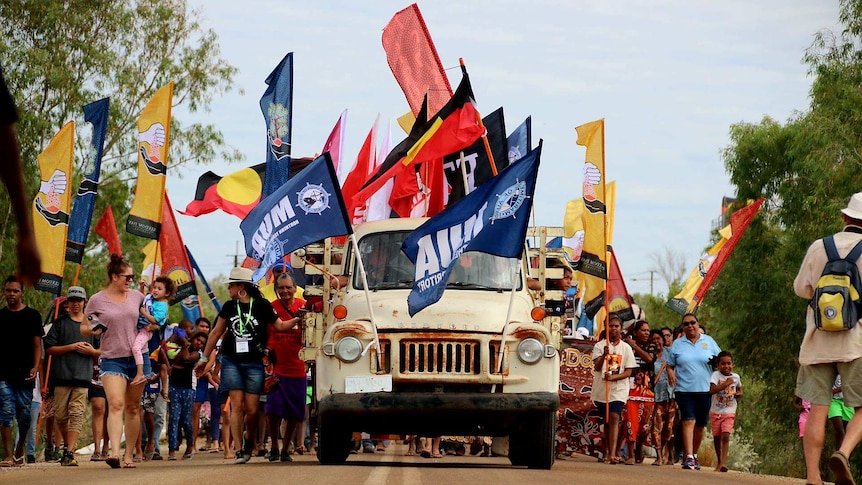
(113, 462)
(129, 465)
(840, 466)
(5, 464)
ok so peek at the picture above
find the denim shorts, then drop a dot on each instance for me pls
(15, 403)
(245, 376)
(119, 366)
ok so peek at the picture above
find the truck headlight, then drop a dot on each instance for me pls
(348, 349)
(530, 351)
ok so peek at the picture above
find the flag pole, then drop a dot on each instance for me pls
(481, 125)
(364, 277)
(506, 324)
(606, 304)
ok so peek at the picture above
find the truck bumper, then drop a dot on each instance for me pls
(434, 414)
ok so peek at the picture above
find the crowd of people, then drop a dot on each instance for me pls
(645, 381)
(138, 372)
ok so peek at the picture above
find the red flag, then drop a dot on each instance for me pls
(739, 222)
(335, 143)
(414, 60)
(454, 127)
(106, 228)
(420, 192)
(175, 259)
(356, 177)
(619, 300)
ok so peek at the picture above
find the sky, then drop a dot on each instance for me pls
(669, 78)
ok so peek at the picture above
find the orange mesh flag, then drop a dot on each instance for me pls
(414, 60)
(106, 228)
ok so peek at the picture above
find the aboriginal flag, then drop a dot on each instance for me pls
(237, 193)
(455, 127)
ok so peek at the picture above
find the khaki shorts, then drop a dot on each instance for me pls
(814, 382)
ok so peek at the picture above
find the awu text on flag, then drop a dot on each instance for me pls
(493, 219)
(308, 208)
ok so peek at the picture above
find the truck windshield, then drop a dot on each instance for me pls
(388, 268)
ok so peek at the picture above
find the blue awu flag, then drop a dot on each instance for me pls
(308, 208)
(492, 219)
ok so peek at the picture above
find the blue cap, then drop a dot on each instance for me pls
(280, 265)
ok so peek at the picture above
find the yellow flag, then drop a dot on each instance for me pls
(611, 196)
(51, 207)
(152, 262)
(573, 238)
(154, 126)
(684, 302)
(594, 256)
(406, 121)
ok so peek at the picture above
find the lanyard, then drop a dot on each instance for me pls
(247, 317)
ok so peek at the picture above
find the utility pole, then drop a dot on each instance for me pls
(651, 273)
(235, 256)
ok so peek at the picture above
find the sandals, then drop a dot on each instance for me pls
(17, 461)
(129, 464)
(840, 467)
(113, 462)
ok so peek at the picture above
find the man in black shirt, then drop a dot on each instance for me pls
(19, 362)
(72, 357)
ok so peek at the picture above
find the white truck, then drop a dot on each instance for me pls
(438, 372)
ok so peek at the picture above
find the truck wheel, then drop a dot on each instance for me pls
(533, 444)
(333, 441)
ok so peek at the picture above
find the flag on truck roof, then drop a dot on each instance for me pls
(493, 219)
(307, 208)
(454, 127)
(414, 61)
(476, 162)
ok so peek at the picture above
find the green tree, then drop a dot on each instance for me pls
(60, 55)
(806, 169)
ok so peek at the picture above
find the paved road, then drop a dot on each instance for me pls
(372, 469)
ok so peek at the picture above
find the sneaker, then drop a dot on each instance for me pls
(273, 455)
(285, 456)
(70, 459)
(64, 461)
(240, 458)
(31, 458)
(696, 464)
(688, 463)
(369, 448)
(156, 457)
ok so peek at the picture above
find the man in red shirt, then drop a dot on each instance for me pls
(287, 400)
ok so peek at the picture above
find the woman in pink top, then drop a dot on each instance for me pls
(113, 314)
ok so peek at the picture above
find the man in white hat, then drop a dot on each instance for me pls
(72, 357)
(824, 354)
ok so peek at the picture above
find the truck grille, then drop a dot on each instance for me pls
(424, 358)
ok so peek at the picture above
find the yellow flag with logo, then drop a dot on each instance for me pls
(51, 207)
(154, 126)
(152, 265)
(684, 301)
(593, 262)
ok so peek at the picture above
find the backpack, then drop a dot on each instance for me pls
(836, 300)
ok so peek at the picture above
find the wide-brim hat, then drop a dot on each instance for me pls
(854, 207)
(240, 275)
